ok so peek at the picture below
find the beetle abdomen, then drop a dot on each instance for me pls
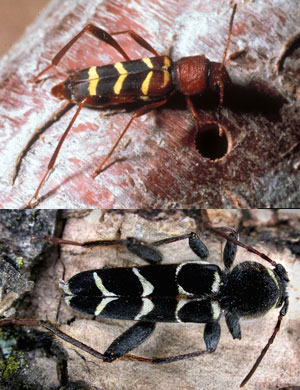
(144, 79)
(168, 293)
(192, 279)
(155, 309)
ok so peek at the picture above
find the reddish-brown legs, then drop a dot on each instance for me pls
(97, 33)
(138, 39)
(193, 111)
(55, 154)
(102, 35)
(141, 111)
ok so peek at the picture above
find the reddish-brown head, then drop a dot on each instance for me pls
(195, 74)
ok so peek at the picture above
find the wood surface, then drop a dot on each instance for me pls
(157, 163)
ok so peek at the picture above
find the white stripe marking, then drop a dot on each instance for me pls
(190, 262)
(216, 283)
(68, 299)
(147, 286)
(271, 273)
(181, 291)
(180, 304)
(101, 287)
(65, 286)
(102, 305)
(146, 309)
(215, 310)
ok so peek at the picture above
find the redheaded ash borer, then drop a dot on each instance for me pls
(191, 292)
(148, 82)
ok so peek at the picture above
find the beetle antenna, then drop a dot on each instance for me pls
(270, 341)
(220, 81)
(221, 232)
(229, 33)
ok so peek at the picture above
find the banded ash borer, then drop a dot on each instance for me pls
(149, 81)
(195, 292)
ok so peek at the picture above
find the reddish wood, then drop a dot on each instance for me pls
(157, 164)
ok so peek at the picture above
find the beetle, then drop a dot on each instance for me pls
(189, 292)
(150, 81)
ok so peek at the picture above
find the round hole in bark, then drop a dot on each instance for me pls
(210, 143)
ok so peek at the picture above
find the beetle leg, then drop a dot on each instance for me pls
(128, 340)
(212, 333)
(131, 338)
(193, 111)
(55, 154)
(143, 250)
(197, 246)
(233, 324)
(141, 111)
(135, 246)
(54, 330)
(138, 39)
(222, 231)
(98, 33)
(170, 359)
(230, 250)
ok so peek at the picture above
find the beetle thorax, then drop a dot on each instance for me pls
(251, 289)
(191, 74)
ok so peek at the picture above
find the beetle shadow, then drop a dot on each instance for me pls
(253, 99)
(257, 97)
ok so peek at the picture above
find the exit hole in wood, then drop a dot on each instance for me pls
(210, 143)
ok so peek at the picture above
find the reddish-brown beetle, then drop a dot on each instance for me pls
(149, 80)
